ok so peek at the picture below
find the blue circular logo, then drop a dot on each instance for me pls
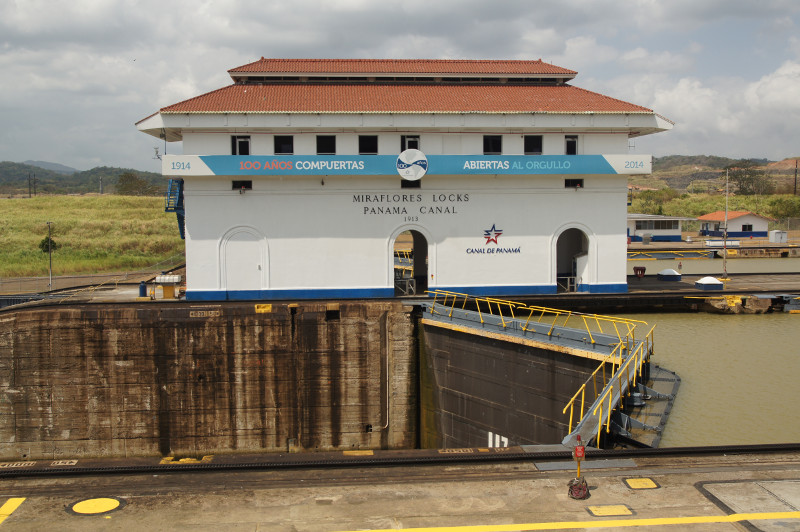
(412, 165)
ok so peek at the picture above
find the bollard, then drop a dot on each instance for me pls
(578, 488)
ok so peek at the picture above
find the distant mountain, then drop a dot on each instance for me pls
(705, 172)
(700, 161)
(55, 167)
(18, 179)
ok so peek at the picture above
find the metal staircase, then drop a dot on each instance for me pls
(174, 203)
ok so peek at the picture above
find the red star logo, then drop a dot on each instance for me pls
(492, 234)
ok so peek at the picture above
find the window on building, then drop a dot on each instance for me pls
(284, 144)
(368, 144)
(650, 225)
(533, 144)
(571, 144)
(405, 183)
(747, 227)
(242, 185)
(409, 142)
(573, 183)
(492, 144)
(240, 145)
(326, 144)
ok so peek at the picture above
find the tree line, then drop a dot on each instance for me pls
(749, 187)
(18, 179)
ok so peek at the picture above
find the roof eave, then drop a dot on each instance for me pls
(154, 125)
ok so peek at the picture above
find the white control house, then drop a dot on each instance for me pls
(374, 178)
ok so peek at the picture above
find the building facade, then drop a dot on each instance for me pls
(319, 178)
(655, 228)
(741, 224)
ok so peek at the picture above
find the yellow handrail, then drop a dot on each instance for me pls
(618, 368)
(620, 364)
(613, 359)
(403, 254)
(638, 358)
(497, 307)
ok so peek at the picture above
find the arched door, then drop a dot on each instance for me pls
(243, 260)
(410, 256)
(572, 250)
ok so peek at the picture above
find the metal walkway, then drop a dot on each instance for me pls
(610, 340)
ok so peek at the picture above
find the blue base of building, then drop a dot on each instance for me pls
(616, 288)
(313, 293)
(709, 287)
(736, 234)
(375, 293)
(658, 238)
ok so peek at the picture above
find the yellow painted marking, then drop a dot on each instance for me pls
(168, 460)
(95, 506)
(263, 308)
(613, 523)
(357, 453)
(18, 464)
(205, 313)
(456, 451)
(610, 510)
(641, 483)
(9, 507)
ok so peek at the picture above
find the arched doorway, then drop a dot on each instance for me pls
(572, 251)
(410, 256)
(243, 260)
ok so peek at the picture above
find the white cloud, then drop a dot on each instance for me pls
(78, 74)
(641, 59)
(731, 117)
(778, 91)
(580, 52)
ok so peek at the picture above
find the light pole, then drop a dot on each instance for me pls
(50, 254)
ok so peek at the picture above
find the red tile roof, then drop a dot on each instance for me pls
(403, 66)
(719, 216)
(402, 98)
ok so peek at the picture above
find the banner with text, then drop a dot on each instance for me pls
(255, 165)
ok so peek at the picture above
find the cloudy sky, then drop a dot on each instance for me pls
(77, 75)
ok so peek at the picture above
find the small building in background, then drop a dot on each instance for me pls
(655, 228)
(741, 224)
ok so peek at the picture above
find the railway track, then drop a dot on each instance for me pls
(382, 459)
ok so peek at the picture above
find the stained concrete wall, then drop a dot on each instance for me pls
(144, 379)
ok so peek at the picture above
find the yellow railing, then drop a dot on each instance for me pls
(604, 379)
(404, 255)
(670, 254)
(630, 369)
(590, 323)
(608, 375)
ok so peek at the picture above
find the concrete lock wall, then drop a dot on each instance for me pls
(175, 379)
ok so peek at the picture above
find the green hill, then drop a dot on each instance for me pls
(17, 179)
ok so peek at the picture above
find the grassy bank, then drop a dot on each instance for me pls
(95, 234)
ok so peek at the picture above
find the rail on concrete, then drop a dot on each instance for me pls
(11, 286)
(611, 340)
